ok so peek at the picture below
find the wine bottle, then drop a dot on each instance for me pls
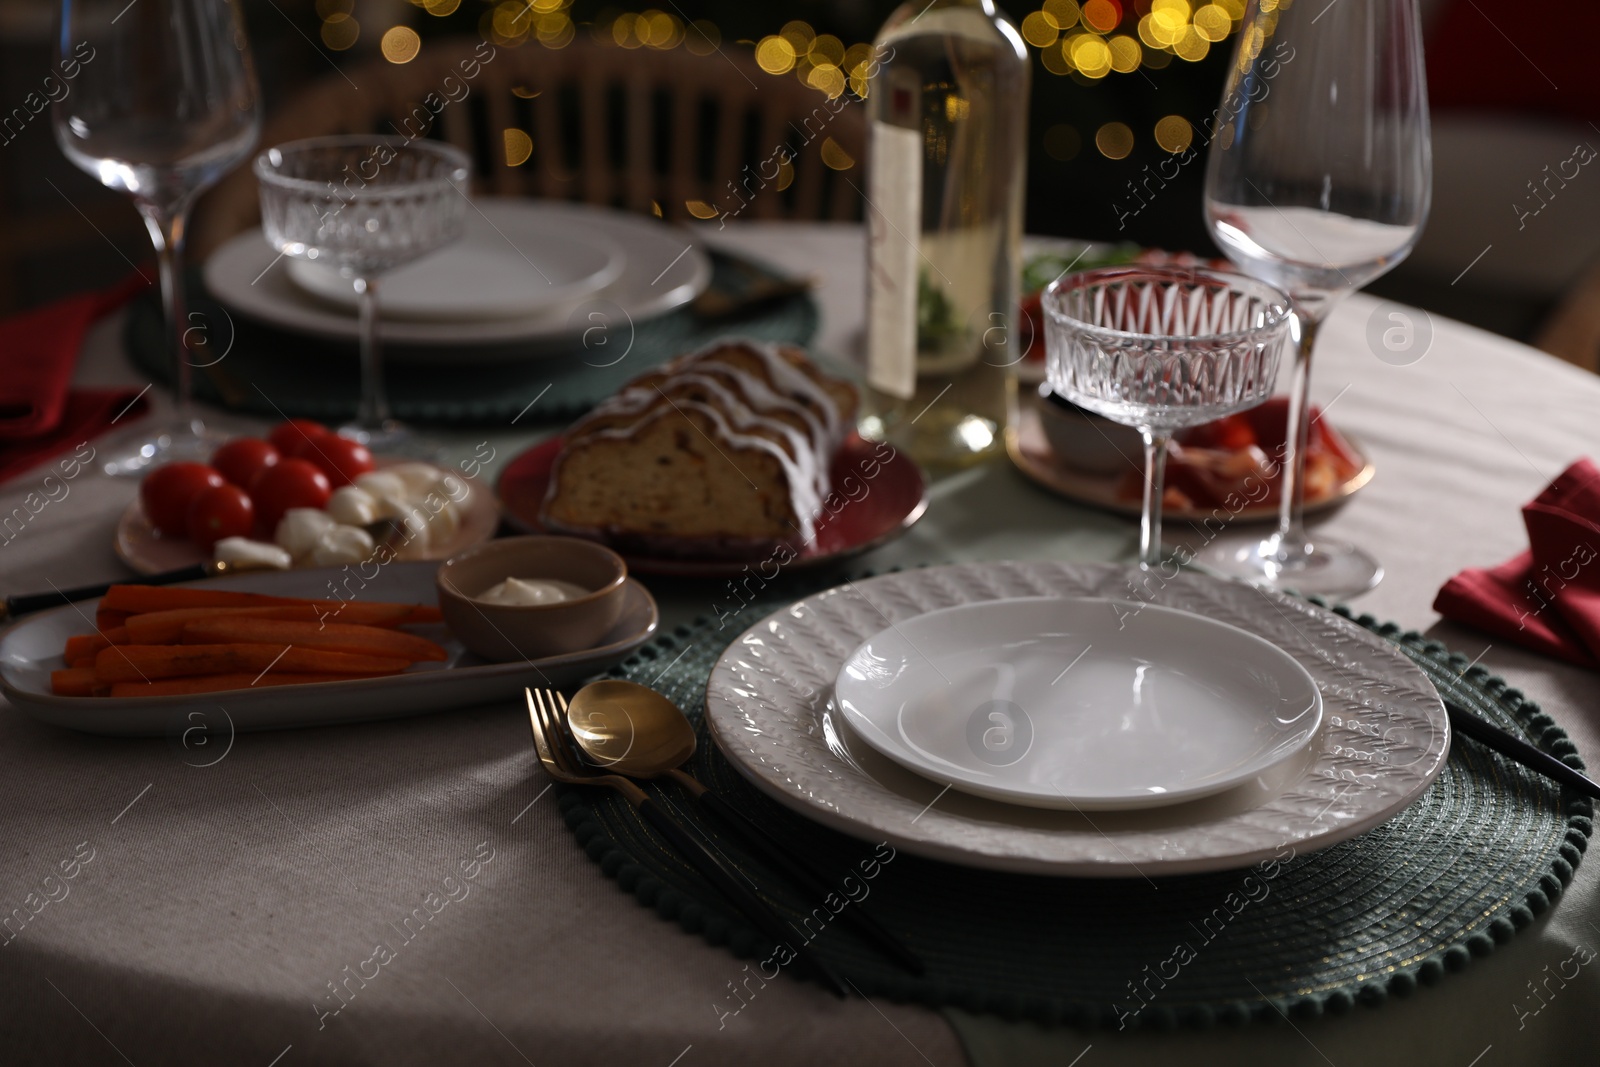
(947, 116)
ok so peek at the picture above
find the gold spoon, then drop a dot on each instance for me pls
(635, 731)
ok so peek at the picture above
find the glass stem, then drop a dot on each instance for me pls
(1291, 508)
(1155, 471)
(167, 234)
(373, 412)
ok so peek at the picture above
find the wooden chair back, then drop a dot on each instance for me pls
(665, 132)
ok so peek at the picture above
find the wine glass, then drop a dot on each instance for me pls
(364, 205)
(163, 104)
(1161, 348)
(1318, 181)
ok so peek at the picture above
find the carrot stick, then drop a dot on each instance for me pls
(145, 663)
(137, 599)
(81, 645)
(358, 611)
(140, 599)
(216, 683)
(166, 627)
(109, 620)
(366, 640)
(73, 682)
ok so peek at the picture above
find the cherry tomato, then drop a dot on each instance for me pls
(340, 458)
(243, 459)
(1230, 433)
(293, 439)
(218, 512)
(1030, 321)
(167, 492)
(289, 483)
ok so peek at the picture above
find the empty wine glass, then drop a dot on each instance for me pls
(162, 104)
(1318, 181)
(1161, 348)
(364, 205)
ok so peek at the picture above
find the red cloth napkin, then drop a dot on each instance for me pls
(1547, 598)
(40, 415)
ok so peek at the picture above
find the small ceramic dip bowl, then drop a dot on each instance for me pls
(503, 632)
(1088, 442)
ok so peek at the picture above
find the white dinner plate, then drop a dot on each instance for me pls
(1076, 702)
(525, 261)
(772, 710)
(31, 648)
(663, 269)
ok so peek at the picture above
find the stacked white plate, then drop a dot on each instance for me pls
(1077, 720)
(537, 273)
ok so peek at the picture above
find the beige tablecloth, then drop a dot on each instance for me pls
(212, 910)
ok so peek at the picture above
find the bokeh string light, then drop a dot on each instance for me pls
(1087, 41)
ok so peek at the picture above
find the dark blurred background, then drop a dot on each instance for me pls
(1512, 85)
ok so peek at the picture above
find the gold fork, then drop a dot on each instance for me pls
(547, 717)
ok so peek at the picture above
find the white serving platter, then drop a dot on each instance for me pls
(31, 648)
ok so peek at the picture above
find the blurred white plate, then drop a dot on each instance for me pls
(525, 260)
(31, 649)
(662, 270)
(1076, 702)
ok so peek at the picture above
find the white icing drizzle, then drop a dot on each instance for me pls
(762, 397)
(788, 377)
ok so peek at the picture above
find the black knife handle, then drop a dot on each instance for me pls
(774, 852)
(31, 602)
(736, 891)
(1515, 748)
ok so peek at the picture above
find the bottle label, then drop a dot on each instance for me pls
(894, 225)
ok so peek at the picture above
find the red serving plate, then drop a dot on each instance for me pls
(887, 505)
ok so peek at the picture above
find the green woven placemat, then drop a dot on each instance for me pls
(274, 373)
(1486, 849)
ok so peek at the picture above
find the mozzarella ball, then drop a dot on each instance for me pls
(341, 545)
(353, 506)
(380, 484)
(243, 552)
(300, 529)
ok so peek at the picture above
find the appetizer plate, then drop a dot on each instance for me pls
(662, 269)
(1030, 450)
(1078, 703)
(524, 262)
(31, 649)
(879, 495)
(772, 709)
(142, 547)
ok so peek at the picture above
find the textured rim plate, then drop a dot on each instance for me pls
(31, 648)
(139, 545)
(663, 271)
(525, 262)
(771, 708)
(1030, 450)
(1078, 703)
(894, 496)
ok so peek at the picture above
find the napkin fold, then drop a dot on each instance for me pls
(40, 414)
(1547, 598)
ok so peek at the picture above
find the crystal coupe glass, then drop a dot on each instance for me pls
(1161, 348)
(364, 205)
